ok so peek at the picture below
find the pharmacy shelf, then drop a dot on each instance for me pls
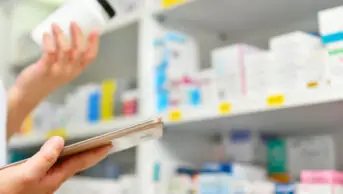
(311, 111)
(73, 132)
(221, 16)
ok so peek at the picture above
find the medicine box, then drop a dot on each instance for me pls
(329, 20)
(207, 84)
(277, 156)
(240, 171)
(257, 73)
(215, 182)
(245, 146)
(319, 152)
(285, 189)
(298, 39)
(176, 60)
(263, 187)
(228, 63)
(315, 189)
(321, 177)
(325, 181)
(312, 73)
(240, 187)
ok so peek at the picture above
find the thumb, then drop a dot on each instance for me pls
(41, 162)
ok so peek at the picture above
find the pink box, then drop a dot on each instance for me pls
(322, 177)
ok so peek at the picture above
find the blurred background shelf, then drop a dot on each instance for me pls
(300, 112)
(258, 21)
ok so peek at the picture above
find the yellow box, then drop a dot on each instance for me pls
(27, 126)
(108, 90)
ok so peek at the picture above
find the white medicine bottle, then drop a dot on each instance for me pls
(88, 14)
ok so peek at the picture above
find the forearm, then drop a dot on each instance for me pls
(19, 107)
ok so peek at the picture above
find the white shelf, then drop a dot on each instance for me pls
(314, 111)
(317, 110)
(74, 132)
(221, 16)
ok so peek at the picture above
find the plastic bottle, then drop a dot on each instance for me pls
(88, 14)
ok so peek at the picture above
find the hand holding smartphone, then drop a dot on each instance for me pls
(121, 139)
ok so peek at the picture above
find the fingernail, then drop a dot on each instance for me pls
(57, 142)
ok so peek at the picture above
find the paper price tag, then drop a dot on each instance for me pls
(312, 85)
(175, 115)
(169, 3)
(57, 132)
(225, 108)
(276, 100)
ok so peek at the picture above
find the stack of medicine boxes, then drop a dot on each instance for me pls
(331, 30)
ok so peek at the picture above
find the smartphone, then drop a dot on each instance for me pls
(121, 139)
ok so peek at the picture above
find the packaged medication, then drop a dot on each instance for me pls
(257, 73)
(313, 153)
(173, 78)
(285, 189)
(302, 41)
(239, 171)
(94, 106)
(89, 15)
(263, 187)
(313, 72)
(214, 181)
(245, 146)
(240, 187)
(323, 181)
(207, 84)
(277, 156)
(228, 63)
(332, 36)
(83, 105)
(111, 97)
(130, 102)
(292, 57)
(108, 90)
(315, 189)
(329, 21)
(321, 177)
(181, 182)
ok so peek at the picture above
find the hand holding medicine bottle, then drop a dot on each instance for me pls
(61, 61)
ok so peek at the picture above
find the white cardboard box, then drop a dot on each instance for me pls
(320, 152)
(257, 70)
(334, 65)
(207, 84)
(297, 39)
(263, 187)
(245, 146)
(228, 63)
(330, 20)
